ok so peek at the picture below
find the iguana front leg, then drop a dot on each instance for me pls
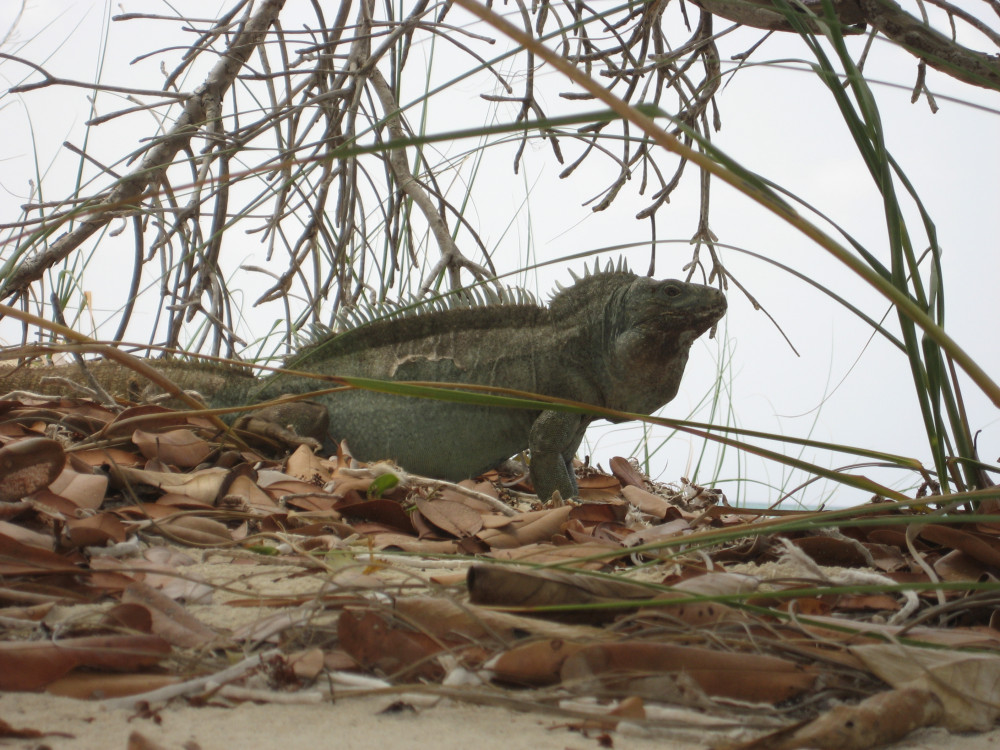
(292, 424)
(553, 441)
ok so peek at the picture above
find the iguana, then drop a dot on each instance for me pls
(612, 339)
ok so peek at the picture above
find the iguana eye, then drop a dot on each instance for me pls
(672, 290)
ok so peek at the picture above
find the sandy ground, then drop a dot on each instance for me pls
(352, 724)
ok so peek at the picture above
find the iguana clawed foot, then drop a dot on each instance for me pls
(290, 425)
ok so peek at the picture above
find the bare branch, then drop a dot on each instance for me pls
(129, 191)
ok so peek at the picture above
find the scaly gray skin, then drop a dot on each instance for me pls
(613, 339)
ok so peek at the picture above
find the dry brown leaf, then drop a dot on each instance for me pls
(94, 531)
(313, 501)
(201, 485)
(139, 741)
(29, 465)
(658, 533)
(982, 547)
(18, 558)
(387, 540)
(175, 447)
(99, 686)
(55, 506)
(243, 493)
(535, 664)
(956, 637)
(827, 550)
(379, 643)
(84, 488)
(196, 530)
(441, 617)
(527, 528)
(967, 684)
(882, 719)
(454, 518)
(108, 457)
(387, 513)
(306, 466)
(170, 620)
(172, 500)
(33, 613)
(307, 665)
(958, 566)
(596, 487)
(626, 473)
(133, 617)
(647, 502)
(740, 676)
(26, 536)
(584, 556)
(33, 665)
(496, 586)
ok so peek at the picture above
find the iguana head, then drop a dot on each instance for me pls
(670, 306)
(645, 329)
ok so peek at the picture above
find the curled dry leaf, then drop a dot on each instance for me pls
(627, 474)
(170, 620)
(535, 664)
(441, 617)
(498, 586)
(33, 665)
(243, 493)
(966, 684)
(379, 643)
(134, 617)
(18, 558)
(658, 533)
(646, 502)
(201, 485)
(306, 466)
(84, 489)
(27, 466)
(96, 685)
(739, 676)
(307, 665)
(144, 415)
(27, 536)
(175, 447)
(455, 518)
(196, 530)
(584, 556)
(93, 531)
(387, 514)
(981, 547)
(108, 457)
(406, 543)
(527, 528)
(877, 721)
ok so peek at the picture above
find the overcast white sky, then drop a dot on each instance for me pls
(780, 122)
